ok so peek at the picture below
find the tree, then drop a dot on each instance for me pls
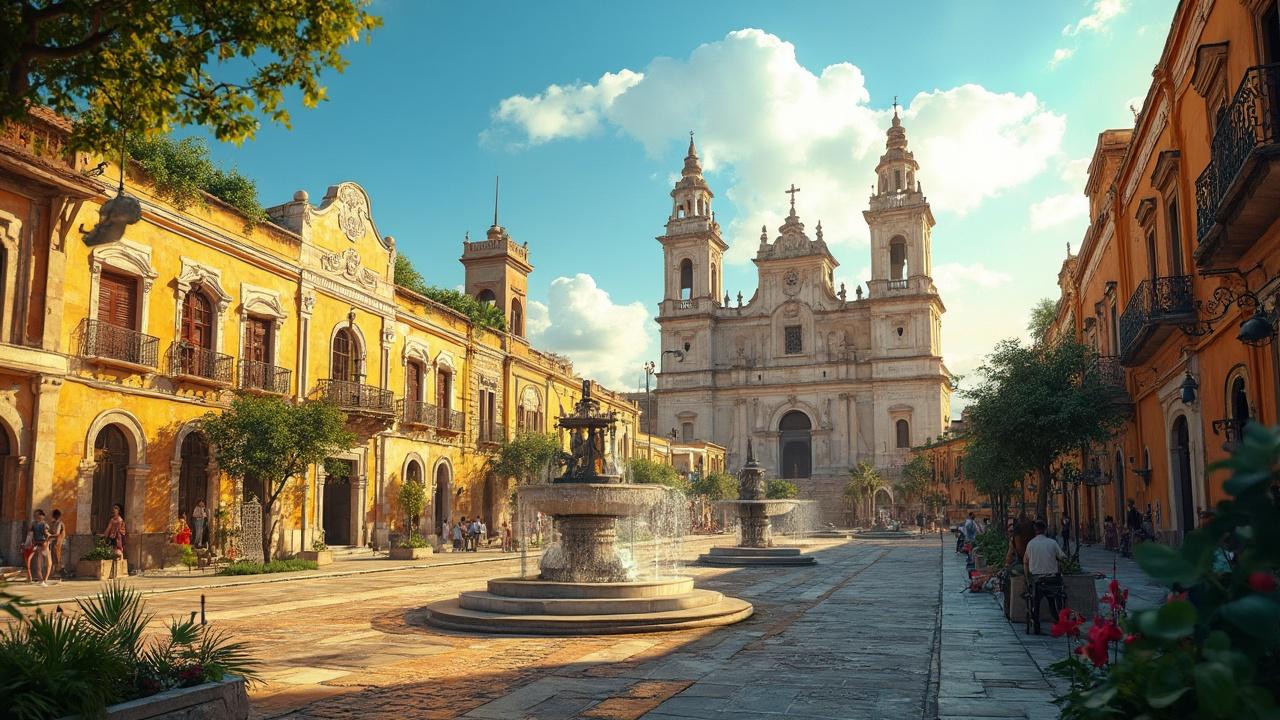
(864, 480)
(778, 489)
(1043, 313)
(644, 471)
(993, 475)
(413, 500)
(135, 67)
(1038, 402)
(274, 442)
(526, 458)
(716, 486)
(916, 477)
(483, 314)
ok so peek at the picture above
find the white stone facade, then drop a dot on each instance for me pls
(801, 352)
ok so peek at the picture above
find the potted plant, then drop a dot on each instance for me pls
(97, 563)
(319, 552)
(413, 546)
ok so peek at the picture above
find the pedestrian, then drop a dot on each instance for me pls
(1110, 534)
(57, 536)
(181, 531)
(483, 533)
(474, 534)
(116, 533)
(970, 529)
(457, 535)
(199, 519)
(1066, 531)
(1041, 560)
(507, 544)
(38, 541)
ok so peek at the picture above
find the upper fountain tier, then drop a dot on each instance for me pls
(588, 426)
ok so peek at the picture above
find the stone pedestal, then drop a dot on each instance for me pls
(756, 529)
(588, 551)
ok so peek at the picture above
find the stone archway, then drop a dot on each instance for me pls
(881, 505)
(442, 497)
(132, 462)
(795, 445)
(1180, 476)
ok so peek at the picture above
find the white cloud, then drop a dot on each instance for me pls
(765, 121)
(1063, 207)
(560, 111)
(607, 342)
(1060, 55)
(1103, 11)
(954, 276)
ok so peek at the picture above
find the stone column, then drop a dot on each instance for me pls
(43, 438)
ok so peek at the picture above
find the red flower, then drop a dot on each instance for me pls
(1069, 622)
(1116, 597)
(1130, 639)
(1176, 596)
(1262, 581)
(1097, 643)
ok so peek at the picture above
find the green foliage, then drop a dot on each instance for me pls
(1036, 403)
(916, 476)
(246, 567)
(1213, 649)
(275, 441)
(992, 544)
(642, 470)
(140, 66)
(182, 172)
(187, 556)
(526, 457)
(318, 545)
(64, 664)
(1043, 313)
(414, 539)
(715, 486)
(10, 604)
(102, 550)
(481, 314)
(779, 489)
(413, 500)
(864, 480)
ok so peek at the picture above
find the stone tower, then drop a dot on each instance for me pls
(497, 271)
(908, 319)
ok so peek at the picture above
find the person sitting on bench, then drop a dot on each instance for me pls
(1041, 562)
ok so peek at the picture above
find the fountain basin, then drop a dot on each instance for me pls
(739, 556)
(767, 507)
(601, 499)
(537, 607)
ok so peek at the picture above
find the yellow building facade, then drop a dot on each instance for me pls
(108, 354)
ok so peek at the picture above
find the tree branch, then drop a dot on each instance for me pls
(44, 52)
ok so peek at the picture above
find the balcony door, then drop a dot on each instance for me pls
(118, 300)
(343, 360)
(257, 354)
(197, 334)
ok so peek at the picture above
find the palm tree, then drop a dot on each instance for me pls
(864, 481)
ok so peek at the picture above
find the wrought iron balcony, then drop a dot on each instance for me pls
(114, 344)
(357, 397)
(1157, 307)
(1111, 370)
(1238, 194)
(416, 412)
(264, 377)
(200, 364)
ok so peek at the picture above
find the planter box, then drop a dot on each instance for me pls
(321, 557)
(1082, 597)
(404, 553)
(101, 569)
(223, 700)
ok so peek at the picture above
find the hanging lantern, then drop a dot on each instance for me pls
(1189, 387)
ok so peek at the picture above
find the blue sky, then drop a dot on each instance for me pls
(1002, 104)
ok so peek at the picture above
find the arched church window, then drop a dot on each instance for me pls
(517, 318)
(715, 284)
(897, 258)
(686, 279)
(903, 431)
(897, 179)
(487, 296)
(1238, 402)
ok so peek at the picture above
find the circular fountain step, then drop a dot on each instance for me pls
(489, 602)
(450, 614)
(741, 556)
(517, 587)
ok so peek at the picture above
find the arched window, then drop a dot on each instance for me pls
(1153, 267)
(1184, 494)
(715, 282)
(444, 387)
(897, 180)
(902, 430)
(197, 335)
(898, 258)
(111, 465)
(486, 296)
(193, 477)
(517, 318)
(5, 451)
(795, 445)
(1238, 404)
(1175, 239)
(686, 279)
(413, 474)
(343, 361)
(441, 500)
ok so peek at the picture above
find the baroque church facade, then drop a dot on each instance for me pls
(816, 378)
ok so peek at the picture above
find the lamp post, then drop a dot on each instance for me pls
(649, 367)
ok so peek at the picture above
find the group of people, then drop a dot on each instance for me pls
(42, 547)
(1137, 526)
(193, 534)
(467, 535)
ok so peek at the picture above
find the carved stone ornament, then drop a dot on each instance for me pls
(347, 264)
(352, 211)
(791, 282)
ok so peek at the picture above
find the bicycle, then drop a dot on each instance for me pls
(1045, 587)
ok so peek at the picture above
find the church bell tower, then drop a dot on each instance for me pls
(693, 251)
(497, 271)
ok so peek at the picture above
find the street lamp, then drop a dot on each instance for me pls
(649, 367)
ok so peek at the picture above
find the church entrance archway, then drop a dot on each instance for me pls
(337, 501)
(110, 473)
(881, 505)
(795, 445)
(440, 500)
(1184, 492)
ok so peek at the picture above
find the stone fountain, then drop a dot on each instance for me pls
(585, 584)
(755, 542)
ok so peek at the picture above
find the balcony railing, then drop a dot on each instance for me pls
(898, 284)
(255, 375)
(1111, 370)
(112, 342)
(357, 397)
(685, 304)
(193, 361)
(1156, 304)
(1247, 128)
(416, 412)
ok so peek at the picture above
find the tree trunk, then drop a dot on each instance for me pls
(1042, 493)
(268, 529)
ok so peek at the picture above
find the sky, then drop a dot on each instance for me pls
(584, 110)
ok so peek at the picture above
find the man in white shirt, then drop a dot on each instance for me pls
(1041, 563)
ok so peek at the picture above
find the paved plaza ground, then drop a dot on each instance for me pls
(879, 629)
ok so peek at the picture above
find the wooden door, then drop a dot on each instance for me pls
(257, 355)
(118, 300)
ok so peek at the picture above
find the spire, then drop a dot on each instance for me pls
(692, 167)
(496, 179)
(693, 151)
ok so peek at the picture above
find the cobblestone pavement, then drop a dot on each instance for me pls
(851, 638)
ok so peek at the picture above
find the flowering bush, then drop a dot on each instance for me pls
(1212, 649)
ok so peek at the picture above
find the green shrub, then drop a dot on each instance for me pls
(414, 539)
(181, 172)
(652, 472)
(77, 664)
(779, 489)
(716, 486)
(482, 314)
(992, 544)
(187, 556)
(246, 567)
(103, 549)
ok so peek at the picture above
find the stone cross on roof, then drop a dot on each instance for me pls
(792, 192)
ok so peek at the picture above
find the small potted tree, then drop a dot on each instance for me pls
(97, 562)
(413, 545)
(319, 552)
